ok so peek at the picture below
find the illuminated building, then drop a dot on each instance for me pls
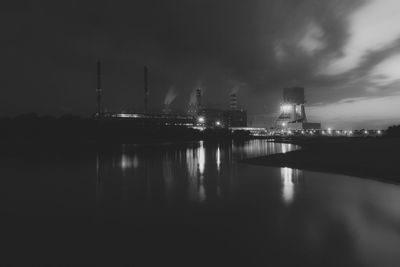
(292, 111)
(211, 117)
(235, 117)
(198, 113)
(140, 119)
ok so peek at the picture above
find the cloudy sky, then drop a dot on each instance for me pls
(346, 53)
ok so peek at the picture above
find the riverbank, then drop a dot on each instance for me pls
(375, 158)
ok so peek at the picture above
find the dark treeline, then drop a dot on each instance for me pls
(69, 129)
(393, 131)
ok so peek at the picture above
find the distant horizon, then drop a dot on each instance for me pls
(325, 125)
(346, 54)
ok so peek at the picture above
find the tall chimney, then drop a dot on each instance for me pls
(98, 89)
(198, 98)
(146, 89)
(233, 101)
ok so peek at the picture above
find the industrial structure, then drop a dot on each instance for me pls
(99, 90)
(292, 120)
(292, 111)
(146, 90)
(139, 119)
(213, 117)
(235, 116)
(197, 115)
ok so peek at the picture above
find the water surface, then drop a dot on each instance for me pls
(193, 204)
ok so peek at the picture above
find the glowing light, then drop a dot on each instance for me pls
(284, 148)
(201, 155)
(288, 185)
(366, 132)
(218, 123)
(284, 124)
(127, 115)
(201, 119)
(286, 108)
(379, 132)
(129, 162)
(350, 132)
(218, 158)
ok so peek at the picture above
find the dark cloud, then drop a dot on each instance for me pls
(49, 50)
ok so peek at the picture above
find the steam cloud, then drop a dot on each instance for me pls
(192, 100)
(170, 96)
(235, 89)
(236, 86)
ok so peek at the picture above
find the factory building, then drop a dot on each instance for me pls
(233, 117)
(148, 120)
(198, 113)
(292, 111)
(211, 117)
(145, 119)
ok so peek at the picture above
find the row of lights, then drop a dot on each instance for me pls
(202, 120)
(329, 131)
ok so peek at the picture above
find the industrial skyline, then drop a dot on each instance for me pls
(345, 53)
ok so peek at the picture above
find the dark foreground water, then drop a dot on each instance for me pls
(191, 205)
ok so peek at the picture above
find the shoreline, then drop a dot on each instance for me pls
(371, 158)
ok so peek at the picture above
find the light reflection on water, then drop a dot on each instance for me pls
(197, 171)
(128, 161)
(218, 159)
(199, 193)
(308, 205)
(201, 157)
(290, 178)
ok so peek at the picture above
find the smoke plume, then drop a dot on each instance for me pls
(170, 96)
(192, 99)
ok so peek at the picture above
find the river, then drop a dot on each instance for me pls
(193, 204)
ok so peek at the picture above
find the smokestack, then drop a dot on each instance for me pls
(233, 101)
(146, 89)
(303, 113)
(98, 89)
(198, 98)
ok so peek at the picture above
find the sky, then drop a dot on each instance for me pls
(345, 53)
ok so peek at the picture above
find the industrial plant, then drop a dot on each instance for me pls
(198, 115)
(292, 111)
(292, 118)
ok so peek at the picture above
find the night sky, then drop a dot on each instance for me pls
(346, 53)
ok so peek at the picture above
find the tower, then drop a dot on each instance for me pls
(198, 98)
(146, 89)
(292, 109)
(99, 90)
(233, 101)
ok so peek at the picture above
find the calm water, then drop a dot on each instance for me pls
(192, 205)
